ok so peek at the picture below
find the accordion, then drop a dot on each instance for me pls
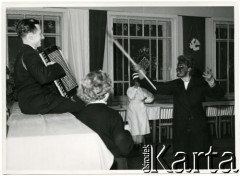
(66, 85)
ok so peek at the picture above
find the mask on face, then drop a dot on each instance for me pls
(182, 70)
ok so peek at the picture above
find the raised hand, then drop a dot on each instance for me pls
(137, 68)
(142, 74)
(208, 75)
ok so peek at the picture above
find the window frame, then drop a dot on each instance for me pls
(174, 47)
(227, 21)
(38, 12)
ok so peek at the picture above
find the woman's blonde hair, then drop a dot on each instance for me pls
(95, 86)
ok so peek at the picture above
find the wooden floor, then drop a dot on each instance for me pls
(226, 143)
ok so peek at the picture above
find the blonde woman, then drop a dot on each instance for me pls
(108, 123)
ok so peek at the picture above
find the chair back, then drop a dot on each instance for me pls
(211, 111)
(166, 120)
(226, 110)
(166, 112)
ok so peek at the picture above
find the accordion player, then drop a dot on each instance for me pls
(66, 85)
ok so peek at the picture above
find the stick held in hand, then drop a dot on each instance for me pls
(130, 59)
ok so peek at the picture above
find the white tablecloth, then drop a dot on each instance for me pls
(53, 142)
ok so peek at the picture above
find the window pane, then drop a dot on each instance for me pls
(231, 31)
(118, 89)
(12, 22)
(120, 26)
(14, 45)
(153, 56)
(168, 58)
(160, 31)
(153, 30)
(231, 67)
(51, 24)
(221, 60)
(125, 29)
(125, 88)
(118, 62)
(139, 50)
(119, 29)
(135, 27)
(139, 30)
(125, 61)
(160, 59)
(221, 31)
(150, 27)
(49, 41)
(146, 29)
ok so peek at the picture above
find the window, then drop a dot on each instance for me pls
(148, 40)
(50, 24)
(224, 35)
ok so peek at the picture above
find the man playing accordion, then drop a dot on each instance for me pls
(33, 79)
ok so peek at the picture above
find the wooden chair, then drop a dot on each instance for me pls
(166, 120)
(226, 117)
(212, 117)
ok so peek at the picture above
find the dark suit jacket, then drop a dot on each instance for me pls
(108, 124)
(33, 82)
(190, 128)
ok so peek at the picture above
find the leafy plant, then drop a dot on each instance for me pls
(10, 89)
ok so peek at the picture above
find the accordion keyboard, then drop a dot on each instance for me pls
(66, 84)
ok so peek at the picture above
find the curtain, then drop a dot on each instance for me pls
(97, 31)
(76, 42)
(194, 41)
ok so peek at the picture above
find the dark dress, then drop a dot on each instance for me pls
(33, 82)
(108, 124)
(191, 132)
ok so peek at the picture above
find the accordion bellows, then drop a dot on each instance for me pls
(67, 84)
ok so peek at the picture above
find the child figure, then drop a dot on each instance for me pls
(137, 111)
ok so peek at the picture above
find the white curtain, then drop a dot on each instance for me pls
(76, 41)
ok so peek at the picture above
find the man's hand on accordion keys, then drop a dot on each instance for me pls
(50, 63)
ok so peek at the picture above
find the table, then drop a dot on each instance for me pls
(228, 102)
(53, 143)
